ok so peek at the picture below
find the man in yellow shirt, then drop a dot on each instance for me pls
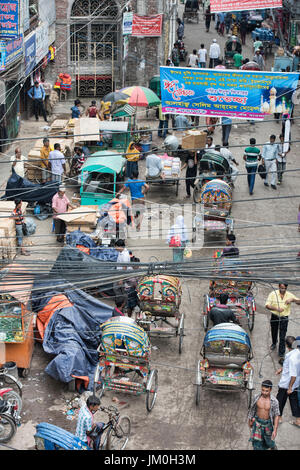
(44, 152)
(279, 303)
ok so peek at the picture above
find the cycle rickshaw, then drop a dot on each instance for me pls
(160, 298)
(124, 361)
(226, 366)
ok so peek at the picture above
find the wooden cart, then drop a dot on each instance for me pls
(16, 317)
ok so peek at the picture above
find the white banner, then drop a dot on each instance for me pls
(41, 41)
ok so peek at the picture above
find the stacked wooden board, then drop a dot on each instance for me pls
(58, 127)
(8, 241)
(82, 218)
(86, 130)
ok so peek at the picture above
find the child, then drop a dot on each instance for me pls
(92, 110)
(75, 110)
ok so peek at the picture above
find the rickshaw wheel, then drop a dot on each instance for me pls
(118, 436)
(181, 333)
(151, 394)
(99, 387)
(251, 319)
(198, 395)
(249, 397)
(205, 317)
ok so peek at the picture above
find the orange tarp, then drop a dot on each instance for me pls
(56, 303)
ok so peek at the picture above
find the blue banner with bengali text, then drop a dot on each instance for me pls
(240, 94)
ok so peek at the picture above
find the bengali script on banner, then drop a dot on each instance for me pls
(239, 5)
(236, 94)
(147, 26)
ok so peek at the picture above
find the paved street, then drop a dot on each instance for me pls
(220, 422)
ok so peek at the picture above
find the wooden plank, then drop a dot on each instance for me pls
(73, 214)
(84, 127)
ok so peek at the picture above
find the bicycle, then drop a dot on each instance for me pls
(9, 379)
(115, 433)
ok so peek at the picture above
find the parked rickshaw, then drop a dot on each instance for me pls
(191, 10)
(160, 298)
(232, 45)
(241, 300)
(100, 177)
(124, 355)
(226, 366)
(212, 165)
(216, 196)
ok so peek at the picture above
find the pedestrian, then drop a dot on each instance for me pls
(44, 153)
(178, 238)
(243, 30)
(258, 58)
(279, 303)
(290, 380)
(182, 122)
(17, 215)
(60, 205)
(92, 110)
(154, 166)
(77, 160)
(230, 250)
(257, 44)
(238, 60)
(163, 123)
(214, 54)
(76, 113)
(235, 29)
(175, 55)
(209, 143)
(57, 164)
(228, 21)
(221, 313)
(269, 158)
(180, 29)
(132, 158)
(220, 23)
(226, 129)
(281, 158)
(138, 188)
(120, 301)
(191, 172)
(193, 59)
(252, 157)
(169, 63)
(225, 152)
(38, 95)
(263, 418)
(207, 19)
(86, 430)
(18, 162)
(202, 55)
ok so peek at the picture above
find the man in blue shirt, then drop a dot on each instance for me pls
(226, 128)
(37, 94)
(137, 189)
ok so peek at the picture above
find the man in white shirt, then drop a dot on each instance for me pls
(231, 160)
(193, 59)
(18, 162)
(202, 54)
(154, 166)
(214, 54)
(290, 379)
(57, 164)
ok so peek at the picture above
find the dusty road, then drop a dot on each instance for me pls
(220, 422)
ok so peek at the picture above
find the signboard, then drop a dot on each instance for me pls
(127, 22)
(25, 15)
(30, 53)
(10, 51)
(41, 42)
(240, 5)
(147, 26)
(234, 93)
(9, 18)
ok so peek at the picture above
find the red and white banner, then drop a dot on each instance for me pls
(240, 5)
(146, 25)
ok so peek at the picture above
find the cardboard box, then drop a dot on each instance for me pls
(194, 139)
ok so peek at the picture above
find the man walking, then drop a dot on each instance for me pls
(252, 157)
(138, 188)
(281, 158)
(269, 156)
(214, 54)
(175, 55)
(60, 205)
(202, 54)
(37, 94)
(57, 164)
(163, 123)
(279, 303)
(225, 152)
(191, 172)
(263, 418)
(44, 152)
(18, 162)
(290, 380)
(258, 58)
(226, 128)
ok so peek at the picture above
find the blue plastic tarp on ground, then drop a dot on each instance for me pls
(73, 333)
(23, 189)
(102, 253)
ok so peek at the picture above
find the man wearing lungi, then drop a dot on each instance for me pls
(263, 418)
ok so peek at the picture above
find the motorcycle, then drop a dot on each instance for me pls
(9, 419)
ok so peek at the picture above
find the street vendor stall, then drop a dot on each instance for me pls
(100, 135)
(16, 317)
(171, 172)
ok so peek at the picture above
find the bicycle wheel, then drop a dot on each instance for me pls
(118, 436)
(7, 428)
(152, 390)
(13, 398)
(251, 315)
(99, 384)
